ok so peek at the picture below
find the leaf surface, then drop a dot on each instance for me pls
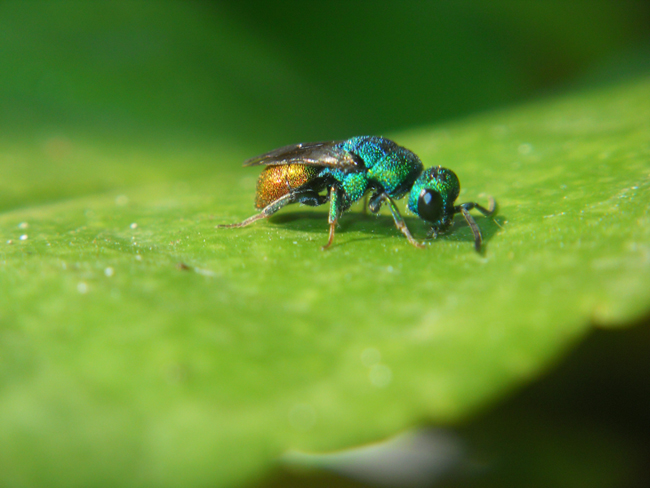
(140, 345)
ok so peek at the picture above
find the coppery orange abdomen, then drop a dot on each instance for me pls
(277, 181)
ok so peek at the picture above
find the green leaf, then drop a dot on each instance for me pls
(140, 345)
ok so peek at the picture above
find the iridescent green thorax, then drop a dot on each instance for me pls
(433, 195)
(388, 166)
(276, 181)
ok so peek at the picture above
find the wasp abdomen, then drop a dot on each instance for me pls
(277, 181)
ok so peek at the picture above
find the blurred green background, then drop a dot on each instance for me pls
(85, 81)
(268, 73)
(116, 94)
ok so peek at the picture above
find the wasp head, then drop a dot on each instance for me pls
(433, 195)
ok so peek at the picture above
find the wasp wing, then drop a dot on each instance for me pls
(312, 154)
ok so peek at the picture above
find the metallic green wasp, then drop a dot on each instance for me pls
(342, 172)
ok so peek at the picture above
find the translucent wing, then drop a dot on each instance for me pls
(312, 154)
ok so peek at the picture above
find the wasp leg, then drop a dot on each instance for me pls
(375, 203)
(432, 233)
(335, 213)
(478, 239)
(313, 199)
(464, 208)
(365, 204)
(307, 197)
(485, 211)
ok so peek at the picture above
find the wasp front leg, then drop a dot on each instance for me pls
(464, 209)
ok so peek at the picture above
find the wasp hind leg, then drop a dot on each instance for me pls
(309, 197)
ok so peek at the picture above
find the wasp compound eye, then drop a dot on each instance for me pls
(430, 205)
